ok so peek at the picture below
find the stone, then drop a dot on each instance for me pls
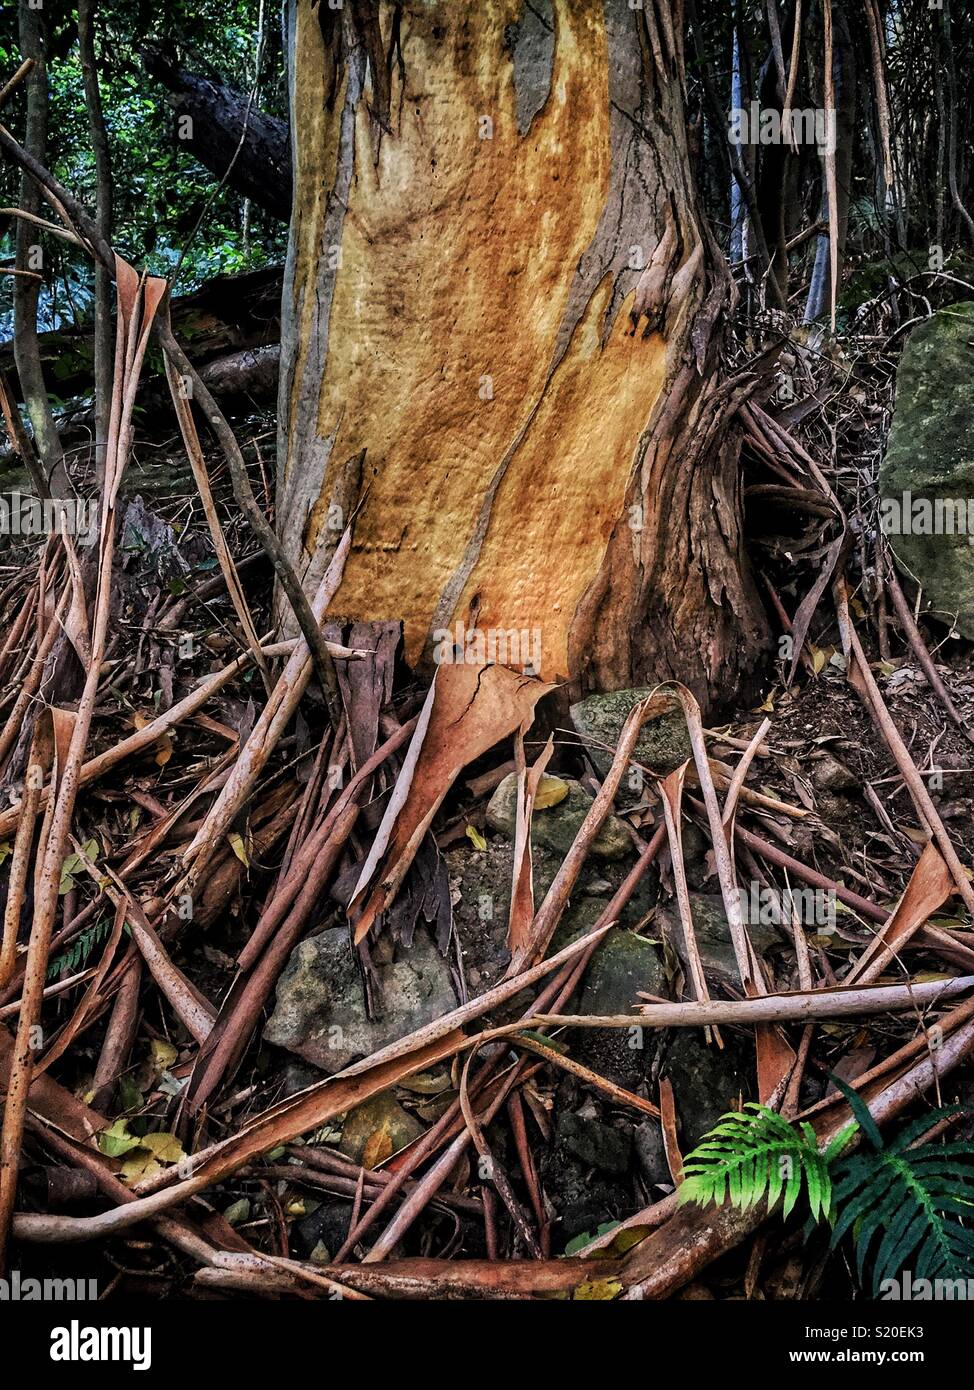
(651, 1153)
(380, 1116)
(555, 827)
(623, 965)
(830, 775)
(713, 938)
(930, 460)
(595, 1144)
(663, 743)
(320, 1012)
(707, 1080)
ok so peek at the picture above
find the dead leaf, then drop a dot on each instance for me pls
(469, 709)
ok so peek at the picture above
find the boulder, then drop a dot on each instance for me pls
(320, 1013)
(926, 480)
(555, 826)
(663, 743)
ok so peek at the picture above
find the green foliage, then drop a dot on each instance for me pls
(159, 189)
(79, 950)
(903, 1203)
(756, 1156)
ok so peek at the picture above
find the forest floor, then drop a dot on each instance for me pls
(591, 1136)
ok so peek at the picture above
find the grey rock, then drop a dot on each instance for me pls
(623, 965)
(707, 1080)
(663, 743)
(930, 455)
(593, 1143)
(555, 827)
(830, 775)
(713, 938)
(651, 1153)
(320, 1012)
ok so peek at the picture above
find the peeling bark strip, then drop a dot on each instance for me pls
(502, 297)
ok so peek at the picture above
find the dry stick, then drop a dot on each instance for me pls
(921, 797)
(307, 619)
(28, 689)
(194, 1012)
(194, 452)
(144, 738)
(132, 337)
(12, 1009)
(241, 1019)
(515, 1112)
(276, 909)
(556, 993)
(268, 730)
(722, 856)
(17, 628)
(494, 1170)
(550, 912)
(120, 1033)
(769, 1008)
(671, 796)
(793, 66)
(430, 1183)
(736, 785)
(10, 86)
(922, 653)
(76, 1022)
(20, 862)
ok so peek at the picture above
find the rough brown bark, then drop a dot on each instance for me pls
(500, 293)
(261, 169)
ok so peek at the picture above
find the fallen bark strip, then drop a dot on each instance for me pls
(270, 726)
(868, 691)
(434, 1279)
(144, 738)
(305, 1111)
(769, 1008)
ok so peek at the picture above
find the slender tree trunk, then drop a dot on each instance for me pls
(104, 334)
(33, 42)
(500, 337)
(844, 67)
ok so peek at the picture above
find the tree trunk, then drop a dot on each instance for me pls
(228, 134)
(26, 291)
(500, 295)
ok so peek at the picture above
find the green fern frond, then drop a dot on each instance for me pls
(907, 1207)
(79, 950)
(747, 1158)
